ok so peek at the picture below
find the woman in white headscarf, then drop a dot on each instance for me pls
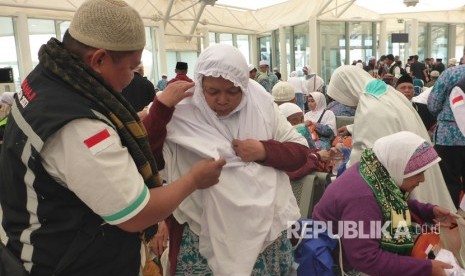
(235, 228)
(373, 196)
(321, 120)
(381, 110)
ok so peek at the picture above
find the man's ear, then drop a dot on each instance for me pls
(97, 59)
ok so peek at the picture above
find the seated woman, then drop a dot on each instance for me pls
(316, 159)
(375, 191)
(321, 120)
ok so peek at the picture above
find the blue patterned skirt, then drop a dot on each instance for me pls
(276, 259)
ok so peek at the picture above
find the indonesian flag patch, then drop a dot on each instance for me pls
(457, 104)
(457, 101)
(98, 142)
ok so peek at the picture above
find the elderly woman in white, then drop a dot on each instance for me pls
(236, 227)
(381, 110)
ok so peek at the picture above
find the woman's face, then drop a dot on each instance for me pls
(296, 118)
(311, 103)
(412, 182)
(221, 95)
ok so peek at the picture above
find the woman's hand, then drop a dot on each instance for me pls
(159, 242)
(444, 217)
(308, 123)
(249, 150)
(342, 131)
(438, 268)
(325, 155)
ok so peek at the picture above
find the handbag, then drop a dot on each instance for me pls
(10, 265)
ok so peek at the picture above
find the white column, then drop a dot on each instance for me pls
(382, 38)
(24, 48)
(452, 42)
(162, 67)
(254, 50)
(413, 37)
(205, 38)
(313, 44)
(282, 53)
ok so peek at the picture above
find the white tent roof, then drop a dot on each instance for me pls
(187, 19)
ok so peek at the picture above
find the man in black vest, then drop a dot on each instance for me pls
(78, 180)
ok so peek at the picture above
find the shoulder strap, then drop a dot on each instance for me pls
(321, 116)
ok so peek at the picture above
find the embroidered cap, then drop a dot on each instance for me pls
(424, 157)
(264, 63)
(283, 92)
(108, 24)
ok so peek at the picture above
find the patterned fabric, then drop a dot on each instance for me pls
(91, 86)
(391, 201)
(447, 132)
(422, 157)
(340, 110)
(325, 136)
(277, 258)
(264, 80)
(305, 132)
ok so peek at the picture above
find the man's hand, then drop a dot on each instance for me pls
(206, 173)
(176, 92)
(249, 150)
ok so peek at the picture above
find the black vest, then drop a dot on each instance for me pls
(47, 224)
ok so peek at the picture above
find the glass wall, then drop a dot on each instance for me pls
(264, 44)
(423, 42)
(360, 41)
(61, 27)
(460, 42)
(301, 46)
(240, 41)
(333, 47)
(8, 55)
(226, 39)
(439, 41)
(173, 57)
(40, 32)
(149, 57)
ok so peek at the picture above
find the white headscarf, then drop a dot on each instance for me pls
(252, 204)
(396, 150)
(289, 109)
(328, 117)
(320, 100)
(378, 116)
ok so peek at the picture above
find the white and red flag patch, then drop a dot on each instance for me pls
(457, 104)
(98, 142)
(458, 100)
